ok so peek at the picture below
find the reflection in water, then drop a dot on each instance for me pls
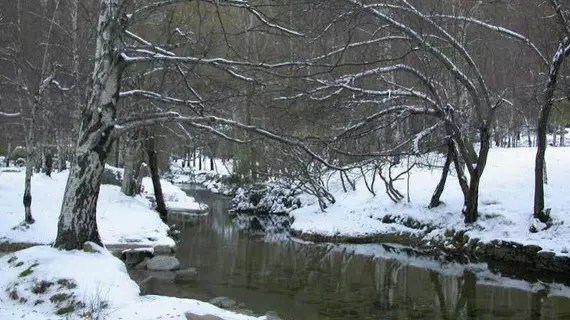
(308, 281)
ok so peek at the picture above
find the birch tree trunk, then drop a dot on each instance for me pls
(78, 219)
(127, 186)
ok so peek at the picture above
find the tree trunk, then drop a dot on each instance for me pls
(117, 152)
(49, 164)
(127, 186)
(27, 198)
(435, 198)
(471, 201)
(8, 154)
(542, 128)
(154, 173)
(78, 218)
(133, 162)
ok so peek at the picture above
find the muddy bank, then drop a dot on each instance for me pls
(7, 247)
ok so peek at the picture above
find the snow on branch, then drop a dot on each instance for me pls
(5, 114)
(422, 134)
(507, 32)
(148, 43)
(410, 109)
(145, 10)
(435, 52)
(158, 97)
(360, 44)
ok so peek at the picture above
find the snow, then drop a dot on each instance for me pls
(174, 198)
(121, 219)
(99, 278)
(505, 203)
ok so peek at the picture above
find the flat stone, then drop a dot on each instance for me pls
(186, 275)
(193, 316)
(224, 302)
(163, 263)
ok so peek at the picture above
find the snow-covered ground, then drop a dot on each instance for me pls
(175, 199)
(120, 219)
(38, 282)
(505, 203)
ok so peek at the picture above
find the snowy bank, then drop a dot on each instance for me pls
(505, 205)
(175, 199)
(44, 283)
(121, 219)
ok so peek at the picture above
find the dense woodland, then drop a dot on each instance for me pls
(286, 88)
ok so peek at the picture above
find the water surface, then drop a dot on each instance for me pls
(331, 282)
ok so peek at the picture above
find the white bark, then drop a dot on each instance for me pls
(78, 220)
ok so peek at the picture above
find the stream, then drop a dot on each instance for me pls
(304, 281)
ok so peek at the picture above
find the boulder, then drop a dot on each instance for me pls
(91, 247)
(192, 316)
(163, 263)
(186, 275)
(146, 285)
(224, 302)
(133, 257)
(142, 264)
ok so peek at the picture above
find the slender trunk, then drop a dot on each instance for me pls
(154, 173)
(27, 198)
(60, 155)
(8, 154)
(30, 150)
(127, 186)
(541, 143)
(49, 164)
(117, 152)
(460, 170)
(78, 218)
(435, 198)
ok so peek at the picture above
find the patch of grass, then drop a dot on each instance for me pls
(67, 283)
(60, 297)
(19, 264)
(41, 287)
(28, 271)
(65, 310)
(40, 301)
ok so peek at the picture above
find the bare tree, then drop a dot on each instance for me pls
(116, 49)
(558, 58)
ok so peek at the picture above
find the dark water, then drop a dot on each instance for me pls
(309, 282)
